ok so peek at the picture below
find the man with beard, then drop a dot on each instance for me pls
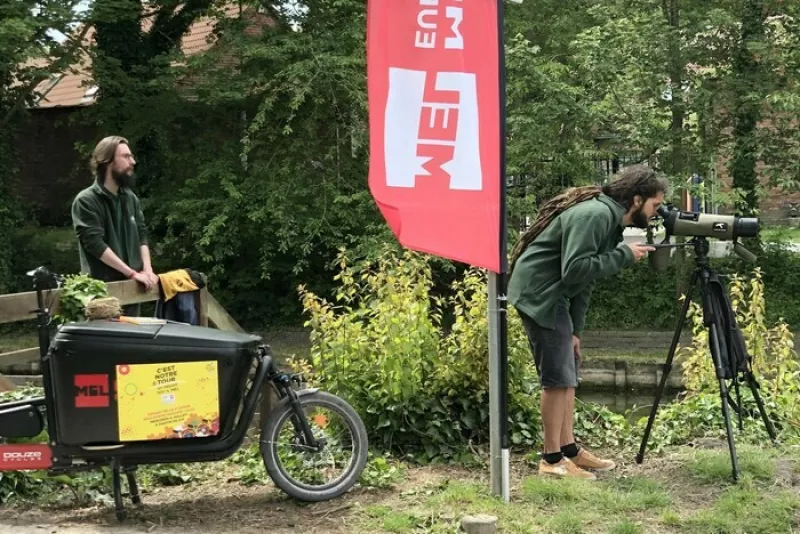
(575, 240)
(109, 223)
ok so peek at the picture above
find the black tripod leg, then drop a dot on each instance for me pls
(667, 368)
(751, 381)
(723, 390)
(739, 407)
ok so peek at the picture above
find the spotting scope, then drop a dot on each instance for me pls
(701, 226)
(693, 224)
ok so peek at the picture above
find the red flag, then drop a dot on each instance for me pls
(433, 87)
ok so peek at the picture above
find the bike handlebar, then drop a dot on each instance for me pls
(44, 279)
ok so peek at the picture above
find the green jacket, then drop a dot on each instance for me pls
(102, 220)
(564, 261)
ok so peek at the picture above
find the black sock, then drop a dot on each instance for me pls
(570, 451)
(553, 457)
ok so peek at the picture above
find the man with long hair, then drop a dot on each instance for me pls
(575, 240)
(109, 222)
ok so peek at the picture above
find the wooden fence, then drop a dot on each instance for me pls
(18, 307)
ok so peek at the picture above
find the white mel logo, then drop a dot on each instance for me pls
(22, 456)
(432, 129)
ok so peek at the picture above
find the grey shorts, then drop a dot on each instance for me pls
(552, 350)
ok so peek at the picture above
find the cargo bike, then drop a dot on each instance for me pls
(122, 393)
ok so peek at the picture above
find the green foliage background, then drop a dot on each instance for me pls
(253, 157)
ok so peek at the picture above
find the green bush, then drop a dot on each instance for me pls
(420, 381)
(781, 274)
(636, 298)
(9, 218)
(34, 246)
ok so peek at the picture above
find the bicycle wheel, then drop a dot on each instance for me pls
(315, 474)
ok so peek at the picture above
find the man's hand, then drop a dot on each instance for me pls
(143, 279)
(640, 250)
(576, 347)
(151, 275)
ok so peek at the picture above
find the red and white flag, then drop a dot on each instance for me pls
(434, 114)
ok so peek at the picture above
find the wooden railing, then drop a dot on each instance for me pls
(22, 307)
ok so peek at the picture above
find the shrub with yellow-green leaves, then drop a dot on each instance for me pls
(415, 365)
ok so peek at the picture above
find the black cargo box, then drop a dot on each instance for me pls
(87, 357)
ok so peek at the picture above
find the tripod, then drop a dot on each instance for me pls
(728, 351)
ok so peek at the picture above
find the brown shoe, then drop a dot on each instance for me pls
(587, 460)
(564, 469)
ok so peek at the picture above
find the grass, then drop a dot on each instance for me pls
(781, 233)
(711, 467)
(617, 495)
(688, 491)
(626, 526)
(747, 509)
(390, 521)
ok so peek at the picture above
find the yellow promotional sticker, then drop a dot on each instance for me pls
(167, 400)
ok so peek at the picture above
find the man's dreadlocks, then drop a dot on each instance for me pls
(549, 211)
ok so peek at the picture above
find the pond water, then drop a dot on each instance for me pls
(638, 402)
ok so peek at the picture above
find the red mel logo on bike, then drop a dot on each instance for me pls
(21, 457)
(91, 391)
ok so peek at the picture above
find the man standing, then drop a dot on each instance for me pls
(108, 220)
(574, 241)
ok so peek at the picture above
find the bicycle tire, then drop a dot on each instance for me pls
(281, 415)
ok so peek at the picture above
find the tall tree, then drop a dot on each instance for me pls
(749, 85)
(278, 180)
(694, 84)
(780, 136)
(550, 123)
(765, 98)
(643, 62)
(29, 53)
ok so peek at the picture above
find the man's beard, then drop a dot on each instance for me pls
(639, 220)
(123, 179)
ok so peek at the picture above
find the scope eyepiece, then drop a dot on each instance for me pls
(747, 227)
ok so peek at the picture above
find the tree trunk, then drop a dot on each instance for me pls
(677, 75)
(676, 164)
(746, 109)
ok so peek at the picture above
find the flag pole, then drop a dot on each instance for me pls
(498, 340)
